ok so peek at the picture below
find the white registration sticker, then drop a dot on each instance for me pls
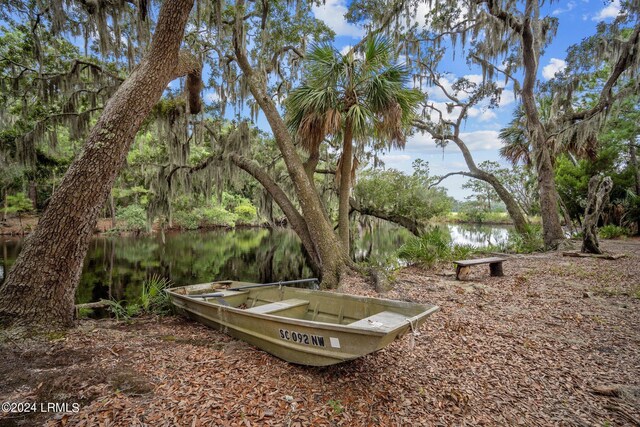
(335, 342)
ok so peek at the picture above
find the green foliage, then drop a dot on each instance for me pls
(217, 215)
(84, 312)
(612, 231)
(194, 213)
(207, 216)
(118, 309)
(246, 213)
(529, 242)
(367, 93)
(152, 300)
(432, 247)
(134, 217)
(472, 211)
(18, 204)
(187, 220)
(395, 192)
(336, 406)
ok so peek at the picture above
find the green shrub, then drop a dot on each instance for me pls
(134, 217)
(18, 204)
(218, 215)
(612, 232)
(472, 212)
(246, 213)
(432, 247)
(187, 219)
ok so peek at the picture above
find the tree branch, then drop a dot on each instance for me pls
(627, 59)
(443, 177)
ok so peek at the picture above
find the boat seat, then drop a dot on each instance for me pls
(383, 321)
(278, 306)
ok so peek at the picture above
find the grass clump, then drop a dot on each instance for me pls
(432, 247)
(153, 300)
(521, 243)
(612, 232)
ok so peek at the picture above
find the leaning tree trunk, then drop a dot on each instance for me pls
(517, 216)
(599, 189)
(40, 289)
(344, 189)
(332, 256)
(297, 222)
(414, 226)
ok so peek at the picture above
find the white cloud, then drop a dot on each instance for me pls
(345, 50)
(507, 97)
(555, 65)
(480, 140)
(610, 11)
(211, 96)
(483, 115)
(570, 6)
(474, 78)
(332, 13)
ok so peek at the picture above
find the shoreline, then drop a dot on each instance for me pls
(103, 227)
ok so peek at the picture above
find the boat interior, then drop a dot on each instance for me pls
(318, 306)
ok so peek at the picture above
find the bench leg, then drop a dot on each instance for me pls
(496, 269)
(462, 272)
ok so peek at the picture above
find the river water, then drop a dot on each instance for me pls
(116, 266)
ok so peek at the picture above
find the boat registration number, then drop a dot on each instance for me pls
(300, 338)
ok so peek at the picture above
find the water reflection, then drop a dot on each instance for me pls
(478, 235)
(116, 266)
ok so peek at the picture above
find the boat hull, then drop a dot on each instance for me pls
(291, 336)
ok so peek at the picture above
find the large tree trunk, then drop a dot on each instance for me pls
(344, 190)
(599, 189)
(551, 228)
(40, 289)
(333, 258)
(552, 232)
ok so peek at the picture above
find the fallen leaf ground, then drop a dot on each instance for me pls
(556, 341)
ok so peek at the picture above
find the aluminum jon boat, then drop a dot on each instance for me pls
(302, 326)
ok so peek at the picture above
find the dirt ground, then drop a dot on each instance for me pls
(556, 341)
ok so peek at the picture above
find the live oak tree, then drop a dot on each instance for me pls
(404, 199)
(504, 37)
(40, 288)
(444, 125)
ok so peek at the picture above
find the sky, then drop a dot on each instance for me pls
(577, 20)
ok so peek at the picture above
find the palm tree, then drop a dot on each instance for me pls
(358, 97)
(517, 141)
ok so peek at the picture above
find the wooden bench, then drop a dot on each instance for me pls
(463, 267)
(278, 306)
(384, 321)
